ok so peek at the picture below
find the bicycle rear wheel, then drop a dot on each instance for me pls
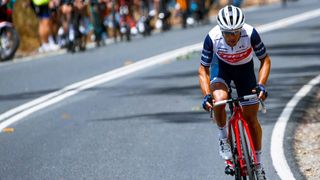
(247, 151)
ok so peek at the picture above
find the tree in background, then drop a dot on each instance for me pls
(26, 23)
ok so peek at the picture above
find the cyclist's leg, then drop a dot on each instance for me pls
(44, 28)
(220, 93)
(219, 84)
(219, 81)
(44, 24)
(245, 82)
(250, 115)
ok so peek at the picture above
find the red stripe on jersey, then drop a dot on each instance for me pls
(234, 58)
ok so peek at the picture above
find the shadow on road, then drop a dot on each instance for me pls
(26, 95)
(168, 117)
(187, 74)
(299, 49)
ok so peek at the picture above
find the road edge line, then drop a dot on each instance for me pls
(277, 150)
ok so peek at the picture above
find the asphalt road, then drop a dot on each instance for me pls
(149, 124)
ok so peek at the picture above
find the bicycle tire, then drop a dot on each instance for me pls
(247, 151)
(7, 54)
(233, 146)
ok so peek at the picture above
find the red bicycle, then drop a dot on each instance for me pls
(243, 152)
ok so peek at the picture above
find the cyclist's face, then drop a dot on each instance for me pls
(232, 38)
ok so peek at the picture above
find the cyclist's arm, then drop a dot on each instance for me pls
(264, 70)
(265, 63)
(204, 79)
(261, 53)
(204, 72)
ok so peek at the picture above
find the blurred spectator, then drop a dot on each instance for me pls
(79, 21)
(66, 12)
(126, 15)
(54, 6)
(112, 18)
(236, 3)
(5, 13)
(41, 8)
(183, 7)
(97, 10)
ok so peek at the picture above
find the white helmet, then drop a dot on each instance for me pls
(230, 18)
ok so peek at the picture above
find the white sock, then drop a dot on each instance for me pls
(222, 132)
(258, 156)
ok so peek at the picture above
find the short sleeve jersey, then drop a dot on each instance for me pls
(242, 53)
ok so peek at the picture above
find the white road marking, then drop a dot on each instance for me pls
(289, 21)
(277, 152)
(26, 109)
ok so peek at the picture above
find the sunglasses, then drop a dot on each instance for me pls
(235, 32)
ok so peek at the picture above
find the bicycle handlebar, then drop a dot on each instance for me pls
(247, 97)
(263, 106)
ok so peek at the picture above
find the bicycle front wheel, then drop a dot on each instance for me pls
(233, 145)
(247, 151)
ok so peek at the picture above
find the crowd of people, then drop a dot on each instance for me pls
(61, 22)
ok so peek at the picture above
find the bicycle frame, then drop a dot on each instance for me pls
(237, 117)
(243, 152)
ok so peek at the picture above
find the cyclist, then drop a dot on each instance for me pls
(227, 56)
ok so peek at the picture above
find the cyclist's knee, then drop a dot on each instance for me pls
(220, 92)
(250, 113)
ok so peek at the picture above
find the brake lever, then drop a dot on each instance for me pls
(263, 106)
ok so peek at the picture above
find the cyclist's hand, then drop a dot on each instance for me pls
(207, 102)
(261, 91)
